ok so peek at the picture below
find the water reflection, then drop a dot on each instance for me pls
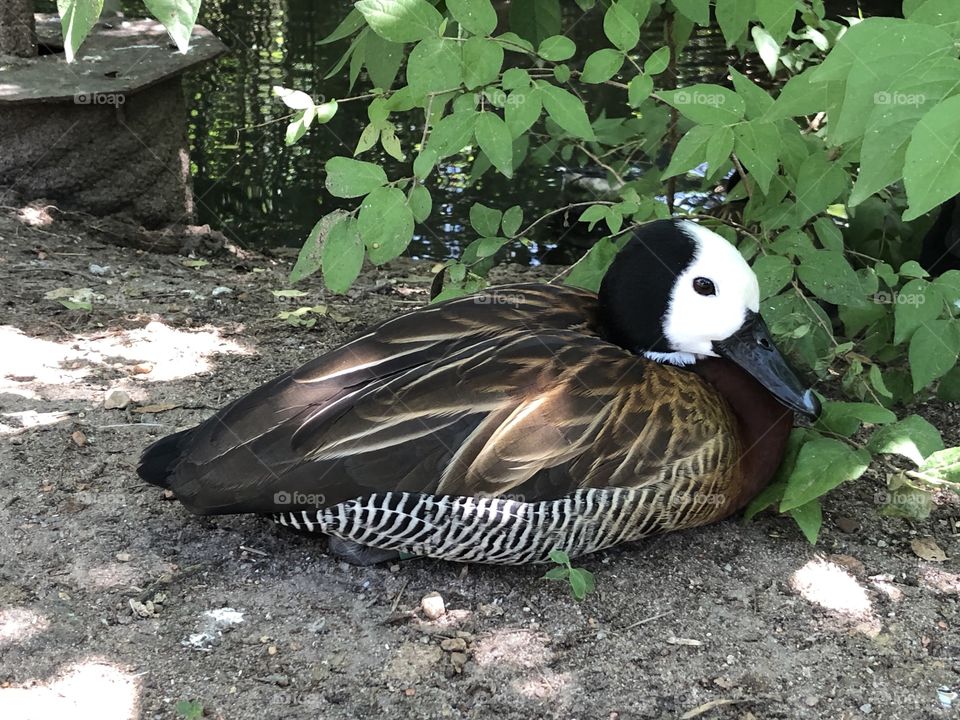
(265, 194)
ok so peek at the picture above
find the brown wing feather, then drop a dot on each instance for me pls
(466, 397)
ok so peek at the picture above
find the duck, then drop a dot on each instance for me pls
(526, 418)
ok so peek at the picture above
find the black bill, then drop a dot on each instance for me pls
(752, 348)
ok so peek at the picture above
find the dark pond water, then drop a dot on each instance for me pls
(265, 194)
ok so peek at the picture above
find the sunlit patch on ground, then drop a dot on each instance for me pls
(18, 624)
(44, 369)
(831, 587)
(529, 653)
(15, 422)
(91, 689)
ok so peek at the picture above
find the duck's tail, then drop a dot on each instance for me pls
(159, 460)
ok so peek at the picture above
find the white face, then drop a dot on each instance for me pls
(695, 320)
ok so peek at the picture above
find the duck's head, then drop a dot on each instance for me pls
(678, 293)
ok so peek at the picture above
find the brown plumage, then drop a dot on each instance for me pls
(512, 394)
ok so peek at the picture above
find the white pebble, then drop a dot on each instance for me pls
(432, 605)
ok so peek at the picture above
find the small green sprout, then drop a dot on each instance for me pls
(189, 709)
(581, 581)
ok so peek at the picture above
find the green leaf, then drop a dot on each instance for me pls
(773, 493)
(867, 56)
(347, 178)
(944, 14)
(391, 143)
(917, 303)
(767, 48)
(512, 220)
(557, 573)
(452, 133)
(297, 127)
(589, 270)
(293, 99)
(706, 104)
(535, 20)
(177, 16)
(77, 18)
(639, 89)
(845, 418)
(350, 24)
(382, 59)
(488, 246)
(828, 275)
(515, 79)
(949, 387)
(690, 151)
(757, 100)
(773, 273)
(401, 21)
(933, 351)
(559, 557)
(904, 501)
(719, 148)
(777, 17)
(829, 234)
(657, 62)
(621, 27)
(733, 16)
(310, 257)
(822, 464)
(581, 583)
(757, 145)
(495, 140)
(434, 66)
(696, 10)
(485, 220)
(819, 183)
(385, 223)
(420, 203)
(566, 110)
(810, 518)
(913, 438)
(943, 465)
(476, 16)
(895, 113)
(522, 110)
(931, 171)
(557, 48)
(602, 65)
(342, 255)
(482, 59)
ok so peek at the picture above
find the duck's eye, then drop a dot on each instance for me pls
(704, 286)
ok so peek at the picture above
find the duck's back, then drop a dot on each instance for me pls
(504, 414)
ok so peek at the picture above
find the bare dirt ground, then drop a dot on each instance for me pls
(106, 585)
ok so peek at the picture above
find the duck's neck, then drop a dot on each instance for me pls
(764, 424)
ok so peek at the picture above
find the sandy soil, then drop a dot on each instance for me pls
(106, 586)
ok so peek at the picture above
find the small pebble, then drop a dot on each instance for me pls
(221, 290)
(143, 368)
(848, 524)
(454, 645)
(811, 700)
(433, 606)
(272, 650)
(116, 400)
(99, 269)
(866, 708)
(123, 557)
